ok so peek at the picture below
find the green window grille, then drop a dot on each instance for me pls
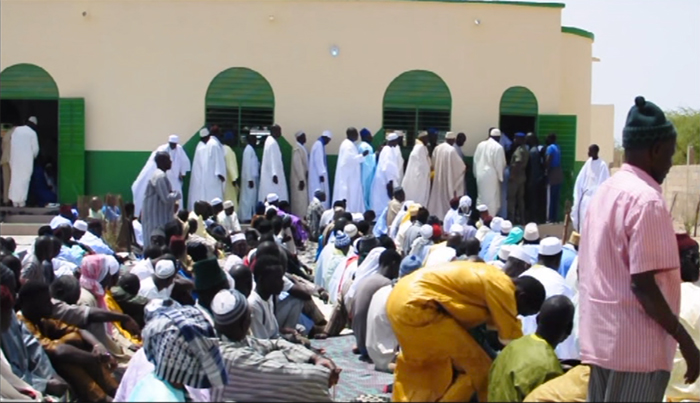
(518, 101)
(27, 81)
(565, 128)
(237, 119)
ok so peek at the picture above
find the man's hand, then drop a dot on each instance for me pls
(335, 371)
(692, 358)
(390, 189)
(365, 153)
(301, 185)
(322, 179)
(221, 178)
(274, 179)
(130, 325)
(251, 184)
(56, 387)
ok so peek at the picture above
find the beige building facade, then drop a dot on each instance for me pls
(125, 74)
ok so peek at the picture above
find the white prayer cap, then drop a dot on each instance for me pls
(496, 223)
(450, 136)
(465, 201)
(204, 132)
(426, 231)
(504, 252)
(350, 230)
(271, 208)
(165, 269)
(522, 254)
(392, 136)
(272, 197)
(550, 246)
(228, 306)
(506, 226)
(422, 134)
(58, 221)
(216, 201)
(299, 134)
(228, 204)
(34, 120)
(327, 134)
(495, 133)
(532, 232)
(237, 238)
(112, 264)
(357, 217)
(80, 225)
(174, 138)
(457, 229)
(482, 208)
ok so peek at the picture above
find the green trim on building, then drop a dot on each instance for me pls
(518, 101)
(113, 172)
(418, 89)
(579, 32)
(565, 128)
(506, 3)
(27, 81)
(240, 87)
(71, 149)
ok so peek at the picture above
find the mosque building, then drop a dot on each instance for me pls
(110, 80)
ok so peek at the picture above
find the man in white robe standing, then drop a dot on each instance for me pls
(250, 178)
(398, 155)
(232, 177)
(180, 165)
(416, 181)
(348, 174)
(272, 177)
(489, 165)
(318, 168)
(299, 177)
(369, 164)
(208, 170)
(594, 172)
(387, 175)
(448, 181)
(24, 148)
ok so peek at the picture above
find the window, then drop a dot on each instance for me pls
(240, 120)
(413, 121)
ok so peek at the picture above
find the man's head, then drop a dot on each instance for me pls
(33, 122)
(454, 241)
(472, 246)
(80, 227)
(690, 259)
(531, 140)
(163, 161)
(217, 206)
(518, 262)
(495, 134)
(422, 215)
(450, 138)
(231, 314)
(551, 139)
(64, 232)
(243, 278)
(593, 150)
(461, 139)
(239, 245)
(209, 279)
(301, 137)
(12, 270)
(96, 204)
(320, 195)
(389, 263)
(529, 295)
(366, 135)
(129, 209)
(352, 134)
(95, 228)
(129, 283)
(157, 238)
(66, 289)
(35, 300)
(550, 252)
(519, 139)
(173, 140)
(392, 139)
(531, 234)
(47, 247)
(152, 252)
(269, 276)
(251, 140)
(165, 272)
(342, 242)
(276, 131)
(326, 137)
(556, 319)
(399, 194)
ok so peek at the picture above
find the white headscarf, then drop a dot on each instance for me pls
(368, 267)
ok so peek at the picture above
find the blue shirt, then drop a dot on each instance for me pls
(553, 151)
(568, 254)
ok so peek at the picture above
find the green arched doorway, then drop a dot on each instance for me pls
(518, 111)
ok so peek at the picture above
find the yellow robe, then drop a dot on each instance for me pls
(231, 191)
(570, 387)
(431, 311)
(113, 306)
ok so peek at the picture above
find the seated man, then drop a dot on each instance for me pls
(530, 361)
(160, 284)
(126, 295)
(266, 370)
(93, 237)
(431, 312)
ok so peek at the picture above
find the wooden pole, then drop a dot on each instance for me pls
(567, 222)
(697, 213)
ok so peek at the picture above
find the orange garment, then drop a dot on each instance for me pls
(431, 311)
(113, 306)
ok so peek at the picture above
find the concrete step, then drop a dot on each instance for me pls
(28, 211)
(19, 229)
(28, 219)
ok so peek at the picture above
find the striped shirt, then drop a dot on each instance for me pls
(630, 233)
(271, 371)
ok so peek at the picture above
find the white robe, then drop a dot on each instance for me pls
(381, 341)
(448, 181)
(416, 182)
(250, 172)
(489, 164)
(24, 148)
(399, 161)
(593, 173)
(387, 171)
(272, 166)
(300, 172)
(318, 168)
(348, 177)
(180, 167)
(209, 163)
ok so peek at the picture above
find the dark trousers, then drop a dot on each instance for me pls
(536, 202)
(606, 385)
(554, 193)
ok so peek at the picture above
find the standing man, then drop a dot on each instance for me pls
(536, 189)
(416, 182)
(299, 176)
(250, 178)
(24, 148)
(159, 201)
(5, 165)
(459, 143)
(369, 165)
(232, 182)
(348, 174)
(388, 174)
(555, 177)
(518, 179)
(594, 172)
(489, 164)
(448, 181)
(272, 178)
(629, 279)
(318, 167)
(180, 165)
(208, 170)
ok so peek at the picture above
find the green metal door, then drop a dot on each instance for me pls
(565, 128)
(71, 149)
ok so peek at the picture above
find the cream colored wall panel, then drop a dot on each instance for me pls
(603, 130)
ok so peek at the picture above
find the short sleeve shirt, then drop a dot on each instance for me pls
(553, 151)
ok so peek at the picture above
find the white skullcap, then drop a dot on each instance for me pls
(272, 197)
(350, 230)
(426, 231)
(299, 134)
(550, 246)
(80, 225)
(327, 134)
(228, 204)
(237, 238)
(496, 223)
(58, 221)
(482, 208)
(532, 232)
(228, 306)
(204, 132)
(173, 139)
(112, 264)
(216, 201)
(392, 136)
(495, 133)
(422, 134)
(357, 217)
(450, 136)
(465, 201)
(165, 269)
(504, 252)
(34, 120)
(506, 226)
(522, 254)
(457, 229)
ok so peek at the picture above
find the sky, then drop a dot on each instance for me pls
(646, 47)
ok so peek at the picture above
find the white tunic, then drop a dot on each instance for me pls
(250, 172)
(593, 173)
(209, 164)
(448, 181)
(180, 166)
(272, 166)
(387, 171)
(149, 289)
(24, 148)
(348, 177)
(381, 341)
(300, 172)
(489, 164)
(318, 169)
(416, 182)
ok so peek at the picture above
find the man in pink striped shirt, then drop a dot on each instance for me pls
(629, 272)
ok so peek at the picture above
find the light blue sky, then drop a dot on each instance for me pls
(646, 47)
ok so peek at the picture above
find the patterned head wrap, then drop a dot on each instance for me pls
(183, 347)
(93, 270)
(342, 239)
(228, 306)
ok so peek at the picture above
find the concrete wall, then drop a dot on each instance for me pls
(144, 66)
(602, 130)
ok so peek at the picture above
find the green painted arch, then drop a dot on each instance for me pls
(240, 86)
(27, 81)
(418, 89)
(518, 101)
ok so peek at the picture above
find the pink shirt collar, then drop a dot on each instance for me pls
(641, 174)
